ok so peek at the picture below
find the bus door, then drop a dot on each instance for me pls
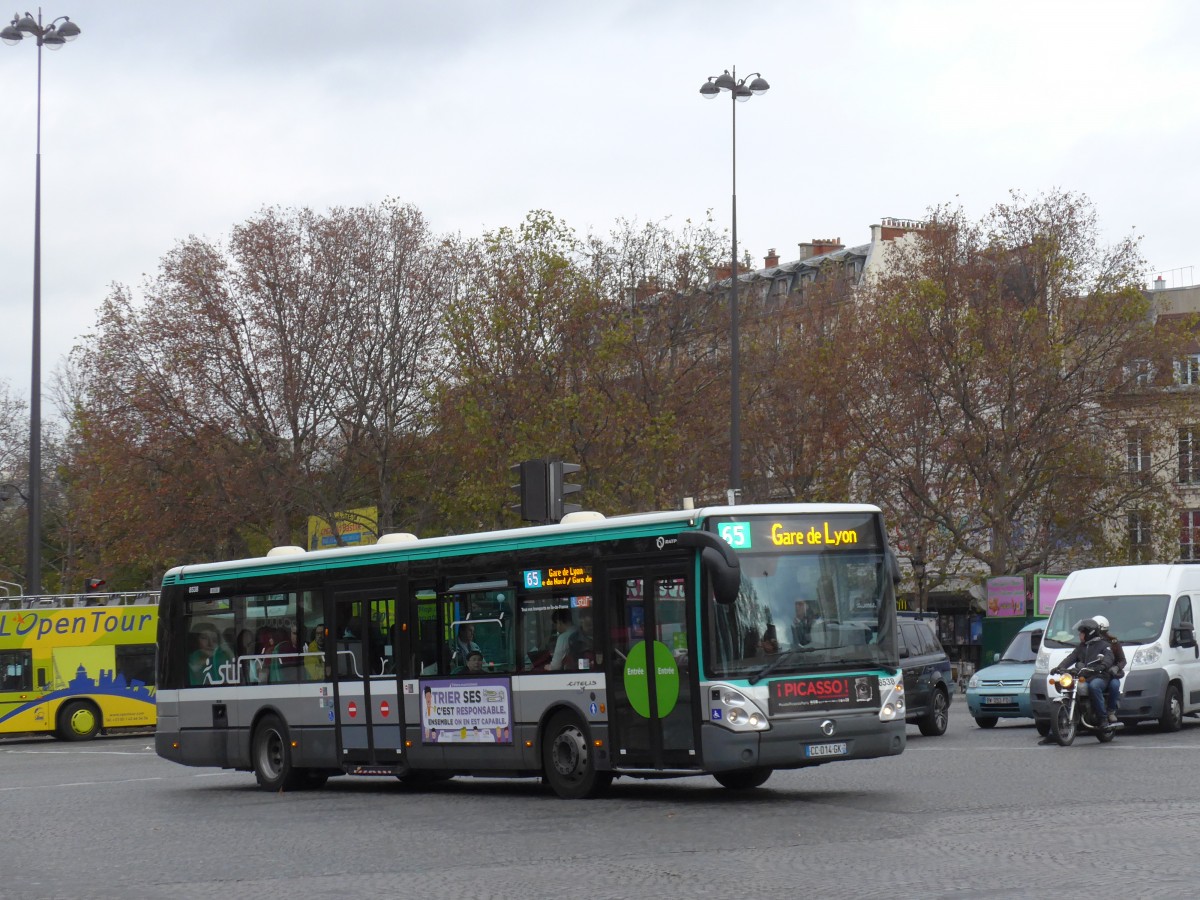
(649, 671)
(363, 642)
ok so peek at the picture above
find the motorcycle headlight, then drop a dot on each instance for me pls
(1065, 680)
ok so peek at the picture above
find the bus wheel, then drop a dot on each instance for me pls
(272, 757)
(743, 779)
(568, 761)
(78, 721)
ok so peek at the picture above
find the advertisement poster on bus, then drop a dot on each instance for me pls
(1006, 596)
(466, 711)
(1046, 589)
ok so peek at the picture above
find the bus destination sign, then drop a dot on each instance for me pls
(794, 695)
(558, 577)
(850, 531)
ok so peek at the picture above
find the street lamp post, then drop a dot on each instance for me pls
(740, 90)
(53, 36)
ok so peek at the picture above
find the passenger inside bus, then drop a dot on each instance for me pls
(465, 645)
(251, 671)
(202, 660)
(474, 663)
(571, 646)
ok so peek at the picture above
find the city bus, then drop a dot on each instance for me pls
(646, 646)
(76, 664)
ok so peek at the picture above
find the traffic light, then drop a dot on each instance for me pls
(558, 489)
(532, 489)
(93, 585)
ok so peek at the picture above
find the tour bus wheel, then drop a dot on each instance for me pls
(272, 757)
(743, 779)
(78, 721)
(568, 760)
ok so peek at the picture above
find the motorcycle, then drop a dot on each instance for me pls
(1074, 711)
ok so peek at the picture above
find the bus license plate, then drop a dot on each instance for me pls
(998, 699)
(814, 750)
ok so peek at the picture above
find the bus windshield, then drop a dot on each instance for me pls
(1132, 618)
(805, 607)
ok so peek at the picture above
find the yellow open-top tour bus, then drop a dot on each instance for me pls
(74, 665)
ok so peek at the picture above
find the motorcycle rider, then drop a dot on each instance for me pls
(1118, 669)
(1095, 653)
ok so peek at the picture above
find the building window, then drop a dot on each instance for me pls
(1187, 370)
(1189, 534)
(1140, 372)
(1189, 455)
(1140, 542)
(1137, 451)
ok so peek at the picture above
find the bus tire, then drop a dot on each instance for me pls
(78, 720)
(568, 761)
(271, 756)
(743, 779)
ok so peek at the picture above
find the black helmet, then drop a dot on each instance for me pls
(1089, 628)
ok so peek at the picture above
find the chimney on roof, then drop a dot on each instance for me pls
(890, 228)
(819, 247)
(771, 260)
(1159, 283)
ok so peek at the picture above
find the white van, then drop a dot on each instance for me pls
(1152, 611)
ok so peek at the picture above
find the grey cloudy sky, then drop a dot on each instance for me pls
(170, 119)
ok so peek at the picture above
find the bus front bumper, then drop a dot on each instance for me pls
(796, 743)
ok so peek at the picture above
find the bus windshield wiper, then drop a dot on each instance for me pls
(777, 662)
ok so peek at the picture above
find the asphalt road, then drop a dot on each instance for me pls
(974, 813)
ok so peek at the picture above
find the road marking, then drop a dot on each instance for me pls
(141, 752)
(42, 787)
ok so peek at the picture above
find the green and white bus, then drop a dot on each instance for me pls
(730, 641)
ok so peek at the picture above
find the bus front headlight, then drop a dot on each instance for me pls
(893, 703)
(732, 709)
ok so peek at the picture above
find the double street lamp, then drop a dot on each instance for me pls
(54, 35)
(740, 90)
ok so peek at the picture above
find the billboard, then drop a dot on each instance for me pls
(356, 527)
(1006, 596)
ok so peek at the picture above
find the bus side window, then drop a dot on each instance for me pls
(16, 670)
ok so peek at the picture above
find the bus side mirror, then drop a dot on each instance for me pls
(893, 565)
(719, 560)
